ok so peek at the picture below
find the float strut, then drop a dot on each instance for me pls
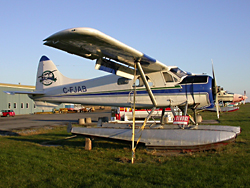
(162, 116)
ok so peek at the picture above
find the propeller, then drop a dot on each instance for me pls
(245, 97)
(215, 91)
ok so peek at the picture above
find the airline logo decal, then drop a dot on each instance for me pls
(47, 78)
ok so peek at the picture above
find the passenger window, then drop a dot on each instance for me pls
(122, 81)
(139, 82)
(149, 82)
(168, 77)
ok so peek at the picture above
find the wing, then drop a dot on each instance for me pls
(93, 44)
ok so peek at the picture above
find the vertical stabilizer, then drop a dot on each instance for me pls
(49, 76)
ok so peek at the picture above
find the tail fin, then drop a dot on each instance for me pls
(49, 76)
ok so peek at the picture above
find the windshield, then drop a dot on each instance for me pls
(229, 92)
(178, 72)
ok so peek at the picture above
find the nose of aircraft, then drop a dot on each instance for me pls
(238, 97)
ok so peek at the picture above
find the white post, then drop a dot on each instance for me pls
(133, 128)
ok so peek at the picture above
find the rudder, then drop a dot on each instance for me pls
(47, 74)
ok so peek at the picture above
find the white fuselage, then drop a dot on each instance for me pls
(106, 91)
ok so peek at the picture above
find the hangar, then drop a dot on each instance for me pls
(21, 104)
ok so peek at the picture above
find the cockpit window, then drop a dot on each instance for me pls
(168, 77)
(226, 92)
(195, 79)
(178, 72)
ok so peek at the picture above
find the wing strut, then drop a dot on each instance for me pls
(150, 93)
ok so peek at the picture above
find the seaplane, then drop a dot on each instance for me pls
(225, 96)
(229, 101)
(240, 98)
(136, 80)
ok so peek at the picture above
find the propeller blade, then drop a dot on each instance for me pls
(244, 97)
(214, 81)
(217, 107)
(215, 92)
(213, 69)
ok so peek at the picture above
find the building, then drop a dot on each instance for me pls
(20, 103)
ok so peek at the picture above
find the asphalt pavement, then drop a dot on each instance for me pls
(41, 120)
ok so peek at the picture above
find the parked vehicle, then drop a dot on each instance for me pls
(7, 113)
(87, 109)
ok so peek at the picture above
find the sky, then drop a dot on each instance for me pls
(184, 33)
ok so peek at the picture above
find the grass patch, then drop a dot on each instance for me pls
(25, 162)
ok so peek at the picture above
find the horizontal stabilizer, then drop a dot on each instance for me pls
(46, 105)
(24, 92)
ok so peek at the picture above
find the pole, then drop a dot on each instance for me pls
(133, 128)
